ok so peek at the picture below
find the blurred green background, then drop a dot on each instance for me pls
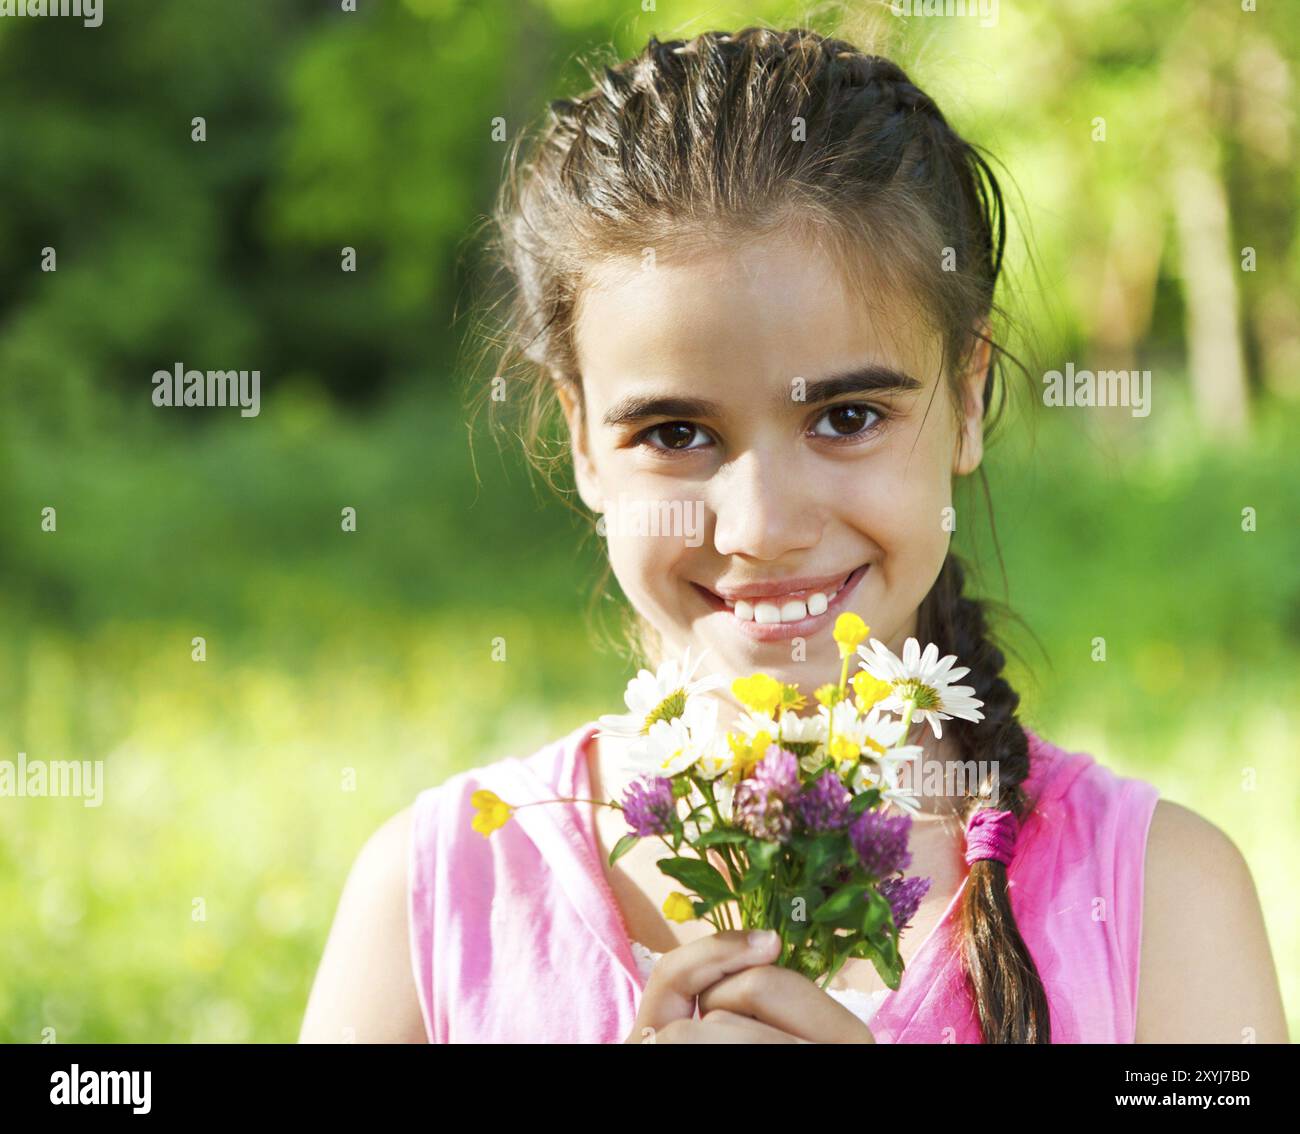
(367, 654)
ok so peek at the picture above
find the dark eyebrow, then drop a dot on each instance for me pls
(871, 379)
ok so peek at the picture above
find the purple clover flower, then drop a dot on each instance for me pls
(824, 804)
(764, 803)
(881, 842)
(904, 897)
(649, 807)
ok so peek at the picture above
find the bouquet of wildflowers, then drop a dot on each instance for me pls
(784, 821)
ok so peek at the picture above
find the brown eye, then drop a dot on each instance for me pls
(847, 420)
(673, 436)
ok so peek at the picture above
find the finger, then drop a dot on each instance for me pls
(746, 1029)
(786, 1000)
(723, 1027)
(683, 973)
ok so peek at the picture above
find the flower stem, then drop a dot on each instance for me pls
(909, 707)
(734, 873)
(566, 799)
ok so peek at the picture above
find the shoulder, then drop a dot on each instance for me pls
(1207, 973)
(1189, 861)
(1178, 832)
(1193, 869)
(379, 873)
(364, 989)
(382, 859)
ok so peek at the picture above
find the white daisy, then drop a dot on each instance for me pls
(874, 734)
(803, 730)
(797, 730)
(716, 757)
(672, 746)
(885, 773)
(924, 679)
(661, 696)
(749, 724)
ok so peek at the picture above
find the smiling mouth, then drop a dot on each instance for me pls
(795, 607)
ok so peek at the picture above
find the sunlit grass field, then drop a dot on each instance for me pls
(345, 672)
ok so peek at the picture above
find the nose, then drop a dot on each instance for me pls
(763, 508)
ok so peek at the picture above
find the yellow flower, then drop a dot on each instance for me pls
(791, 699)
(828, 695)
(850, 632)
(759, 693)
(678, 907)
(843, 750)
(493, 812)
(869, 690)
(747, 751)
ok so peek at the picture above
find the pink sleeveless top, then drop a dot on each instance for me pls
(518, 937)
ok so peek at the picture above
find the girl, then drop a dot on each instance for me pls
(756, 273)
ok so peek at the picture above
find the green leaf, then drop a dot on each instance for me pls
(822, 853)
(865, 948)
(878, 913)
(625, 844)
(701, 877)
(721, 835)
(841, 903)
(864, 801)
(888, 963)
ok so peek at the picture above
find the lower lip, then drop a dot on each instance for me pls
(784, 631)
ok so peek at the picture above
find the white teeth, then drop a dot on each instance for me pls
(768, 612)
(792, 610)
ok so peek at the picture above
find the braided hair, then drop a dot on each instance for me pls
(1008, 994)
(727, 136)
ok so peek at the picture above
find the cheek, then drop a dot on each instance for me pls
(646, 568)
(901, 505)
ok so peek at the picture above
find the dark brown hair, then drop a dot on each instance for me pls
(712, 140)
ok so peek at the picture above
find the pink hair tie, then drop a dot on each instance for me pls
(991, 834)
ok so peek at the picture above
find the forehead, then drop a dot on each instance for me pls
(760, 312)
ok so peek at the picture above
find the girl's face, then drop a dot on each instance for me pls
(768, 452)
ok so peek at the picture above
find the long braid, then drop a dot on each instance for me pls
(1004, 981)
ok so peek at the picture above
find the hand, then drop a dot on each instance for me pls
(667, 1010)
(785, 1001)
(734, 980)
